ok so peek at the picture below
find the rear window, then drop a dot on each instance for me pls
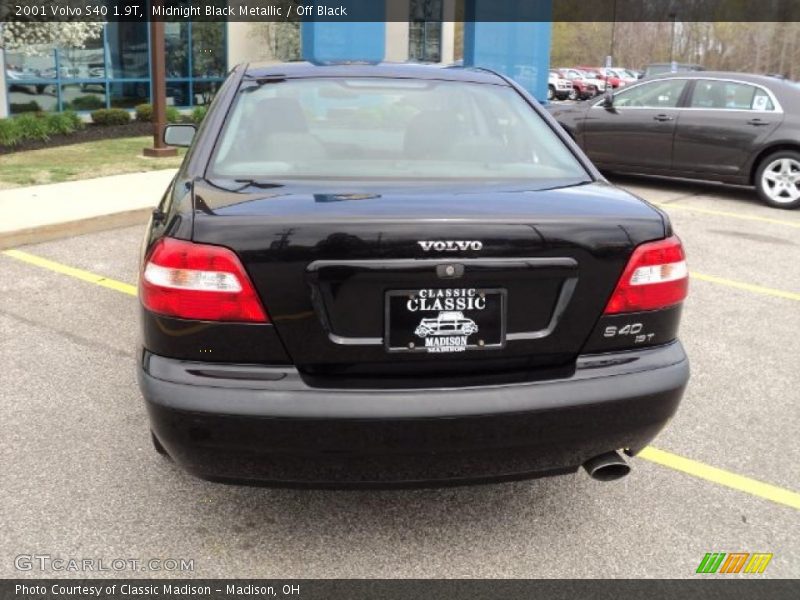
(730, 95)
(404, 129)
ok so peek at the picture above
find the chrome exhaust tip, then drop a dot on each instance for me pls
(607, 467)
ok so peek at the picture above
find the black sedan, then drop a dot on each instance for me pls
(375, 274)
(727, 127)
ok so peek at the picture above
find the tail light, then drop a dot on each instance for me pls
(197, 281)
(656, 277)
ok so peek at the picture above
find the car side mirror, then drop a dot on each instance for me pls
(179, 135)
(608, 97)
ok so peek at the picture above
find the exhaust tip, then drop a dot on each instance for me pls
(607, 467)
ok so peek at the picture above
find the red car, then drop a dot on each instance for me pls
(581, 88)
(607, 75)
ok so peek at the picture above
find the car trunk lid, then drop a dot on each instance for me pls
(368, 284)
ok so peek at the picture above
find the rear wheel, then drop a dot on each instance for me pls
(573, 94)
(551, 92)
(778, 179)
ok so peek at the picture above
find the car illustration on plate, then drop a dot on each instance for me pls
(447, 323)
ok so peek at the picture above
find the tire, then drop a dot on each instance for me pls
(777, 179)
(551, 92)
(157, 445)
(573, 94)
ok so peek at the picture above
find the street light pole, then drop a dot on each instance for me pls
(613, 30)
(158, 84)
(673, 16)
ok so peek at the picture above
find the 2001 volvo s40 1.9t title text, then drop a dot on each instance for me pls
(379, 275)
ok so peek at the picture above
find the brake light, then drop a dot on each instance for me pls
(655, 277)
(198, 281)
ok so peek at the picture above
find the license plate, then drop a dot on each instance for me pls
(445, 320)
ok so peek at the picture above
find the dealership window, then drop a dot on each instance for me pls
(31, 80)
(83, 63)
(128, 50)
(113, 69)
(83, 96)
(128, 94)
(425, 30)
(208, 49)
(176, 46)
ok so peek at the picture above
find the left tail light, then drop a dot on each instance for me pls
(198, 281)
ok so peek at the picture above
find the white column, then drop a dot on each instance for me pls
(397, 32)
(448, 42)
(396, 42)
(3, 99)
(448, 31)
(245, 45)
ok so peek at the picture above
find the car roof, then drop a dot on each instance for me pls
(680, 64)
(299, 70)
(747, 77)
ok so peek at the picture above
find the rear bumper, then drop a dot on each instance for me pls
(265, 425)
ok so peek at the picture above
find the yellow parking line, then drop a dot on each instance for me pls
(748, 287)
(105, 282)
(666, 459)
(753, 487)
(725, 213)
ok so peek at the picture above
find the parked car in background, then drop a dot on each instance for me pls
(662, 68)
(582, 86)
(624, 75)
(557, 86)
(594, 78)
(607, 75)
(729, 127)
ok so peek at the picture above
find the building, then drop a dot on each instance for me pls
(113, 69)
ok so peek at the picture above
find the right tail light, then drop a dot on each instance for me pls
(655, 277)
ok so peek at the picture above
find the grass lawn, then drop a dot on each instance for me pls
(81, 161)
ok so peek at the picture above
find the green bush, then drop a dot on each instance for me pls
(33, 127)
(60, 123)
(173, 115)
(9, 133)
(111, 116)
(198, 114)
(38, 126)
(87, 102)
(74, 118)
(23, 107)
(144, 113)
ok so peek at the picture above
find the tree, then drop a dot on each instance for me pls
(280, 40)
(30, 37)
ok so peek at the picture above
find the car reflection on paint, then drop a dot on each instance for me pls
(447, 323)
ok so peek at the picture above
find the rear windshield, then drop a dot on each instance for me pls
(399, 129)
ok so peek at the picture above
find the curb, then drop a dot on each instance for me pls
(45, 233)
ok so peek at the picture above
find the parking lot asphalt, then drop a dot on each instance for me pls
(80, 479)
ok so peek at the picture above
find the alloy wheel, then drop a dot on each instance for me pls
(780, 180)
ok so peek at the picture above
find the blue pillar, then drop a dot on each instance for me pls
(518, 47)
(326, 41)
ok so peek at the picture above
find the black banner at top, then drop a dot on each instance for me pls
(398, 10)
